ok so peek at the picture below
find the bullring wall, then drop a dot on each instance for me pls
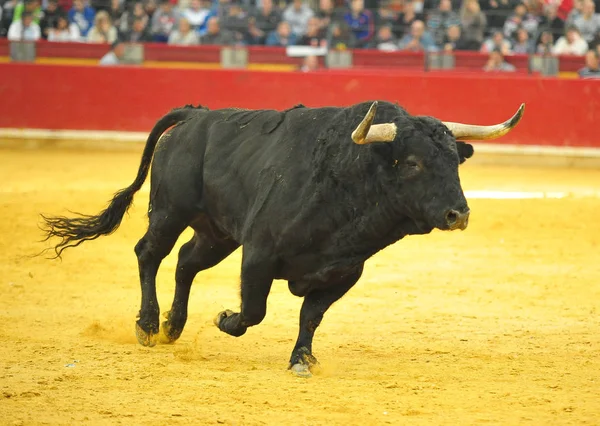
(559, 112)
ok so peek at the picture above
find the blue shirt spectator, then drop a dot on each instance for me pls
(283, 36)
(82, 16)
(361, 22)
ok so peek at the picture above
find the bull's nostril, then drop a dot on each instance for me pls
(452, 217)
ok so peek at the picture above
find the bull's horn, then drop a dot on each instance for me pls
(467, 132)
(367, 132)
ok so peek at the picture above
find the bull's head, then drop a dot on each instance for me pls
(428, 171)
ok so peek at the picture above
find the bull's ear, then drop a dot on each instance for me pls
(465, 151)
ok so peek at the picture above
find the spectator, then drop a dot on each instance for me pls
(327, 14)
(236, 23)
(103, 30)
(24, 29)
(32, 6)
(521, 18)
(64, 31)
(139, 32)
(184, 35)
(545, 46)
(214, 34)
(497, 41)
(265, 21)
(473, 23)
(496, 62)
(588, 22)
(50, 18)
(256, 36)
(496, 12)
(563, 7)
(384, 40)
(522, 45)
(314, 35)
(592, 66)
(127, 19)
(220, 8)
(361, 22)
(150, 9)
(441, 19)
(83, 16)
(283, 36)
(550, 22)
(310, 63)
(453, 40)
(163, 21)
(115, 11)
(340, 37)
(418, 39)
(8, 10)
(197, 15)
(419, 6)
(297, 15)
(575, 12)
(115, 55)
(571, 44)
(596, 41)
(385, 14)
(406, 19)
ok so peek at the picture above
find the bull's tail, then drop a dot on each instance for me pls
(74, 231)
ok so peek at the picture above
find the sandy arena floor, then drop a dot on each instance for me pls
(498, 324)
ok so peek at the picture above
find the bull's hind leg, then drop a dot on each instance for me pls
(315, 304)
(206, 249)
(257, 277)
(163, 232)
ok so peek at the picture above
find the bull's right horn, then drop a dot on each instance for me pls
(467, 132)
(367, 132)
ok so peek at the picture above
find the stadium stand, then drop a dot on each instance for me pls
(530, 36)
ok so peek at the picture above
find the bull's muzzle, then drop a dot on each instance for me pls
(457, 220)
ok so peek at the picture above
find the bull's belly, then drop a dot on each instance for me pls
(316, 269)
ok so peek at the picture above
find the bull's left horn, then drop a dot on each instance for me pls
(367, 132)
(467, 132)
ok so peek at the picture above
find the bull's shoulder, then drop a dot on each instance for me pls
(190, 106)
(263, 121)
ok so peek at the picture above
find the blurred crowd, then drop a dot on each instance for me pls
(495, 27)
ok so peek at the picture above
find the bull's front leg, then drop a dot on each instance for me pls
(257, 277)
(315, 304)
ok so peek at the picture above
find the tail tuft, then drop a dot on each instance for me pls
(74, 231)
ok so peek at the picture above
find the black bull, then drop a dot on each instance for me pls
(310, 194)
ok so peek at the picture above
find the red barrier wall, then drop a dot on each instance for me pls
(558, 111)
(362, 58)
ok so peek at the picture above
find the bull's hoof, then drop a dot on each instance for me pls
(166, 334)
(145, 339)
(221, 316)
(302, 362)
(301, 370)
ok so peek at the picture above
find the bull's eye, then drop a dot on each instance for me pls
(412, 164)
